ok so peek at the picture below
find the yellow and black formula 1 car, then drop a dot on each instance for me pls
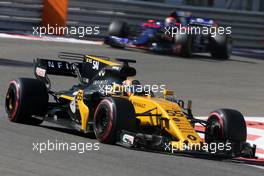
(102, 104)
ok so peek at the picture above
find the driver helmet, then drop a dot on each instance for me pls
(130, 86)
(170, 21)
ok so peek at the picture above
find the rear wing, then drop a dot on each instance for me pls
(85, 67)
(45, 67)
(54, 67)
(186, 18)
(208, 22)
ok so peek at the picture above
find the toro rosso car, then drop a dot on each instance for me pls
(179, 34)
(135, 119)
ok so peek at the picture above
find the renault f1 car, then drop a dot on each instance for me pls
(183, 35)
(135, 119)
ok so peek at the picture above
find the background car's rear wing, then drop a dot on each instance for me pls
(201, 21)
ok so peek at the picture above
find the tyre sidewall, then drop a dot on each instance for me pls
(14, 87)
(111, 126)
(232, 125)
(31, 99)
(122, 118)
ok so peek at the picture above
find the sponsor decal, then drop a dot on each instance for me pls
(129, 139)
(95, 65)
(191, 137)
(176, 119)
(101, 73)
(73, 105)
(40, 72)
(139, 104)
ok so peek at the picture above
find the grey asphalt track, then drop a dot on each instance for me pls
(237, 83)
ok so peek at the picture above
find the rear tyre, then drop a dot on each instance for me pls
(184, 42)
(118, 28)
(111, 116)
(221, 46)
(226, 125)
(26, 97)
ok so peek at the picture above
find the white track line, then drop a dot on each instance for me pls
(260, 167)
(50, 39)
(249, 118)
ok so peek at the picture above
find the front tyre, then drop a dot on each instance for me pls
(112, 115)
(226, 125)
(26, 98)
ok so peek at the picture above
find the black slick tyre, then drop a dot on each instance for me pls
(26, 98)
(112, 115)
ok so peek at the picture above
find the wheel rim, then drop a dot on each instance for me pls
(215, 130)
(102, 121)
(11, 100)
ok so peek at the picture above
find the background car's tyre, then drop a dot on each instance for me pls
(26, 97)
(221, 46)
(185, 42)
(226, 125)
(111, 116)
(118, 28)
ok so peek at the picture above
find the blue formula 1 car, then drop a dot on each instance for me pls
(178, 34)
